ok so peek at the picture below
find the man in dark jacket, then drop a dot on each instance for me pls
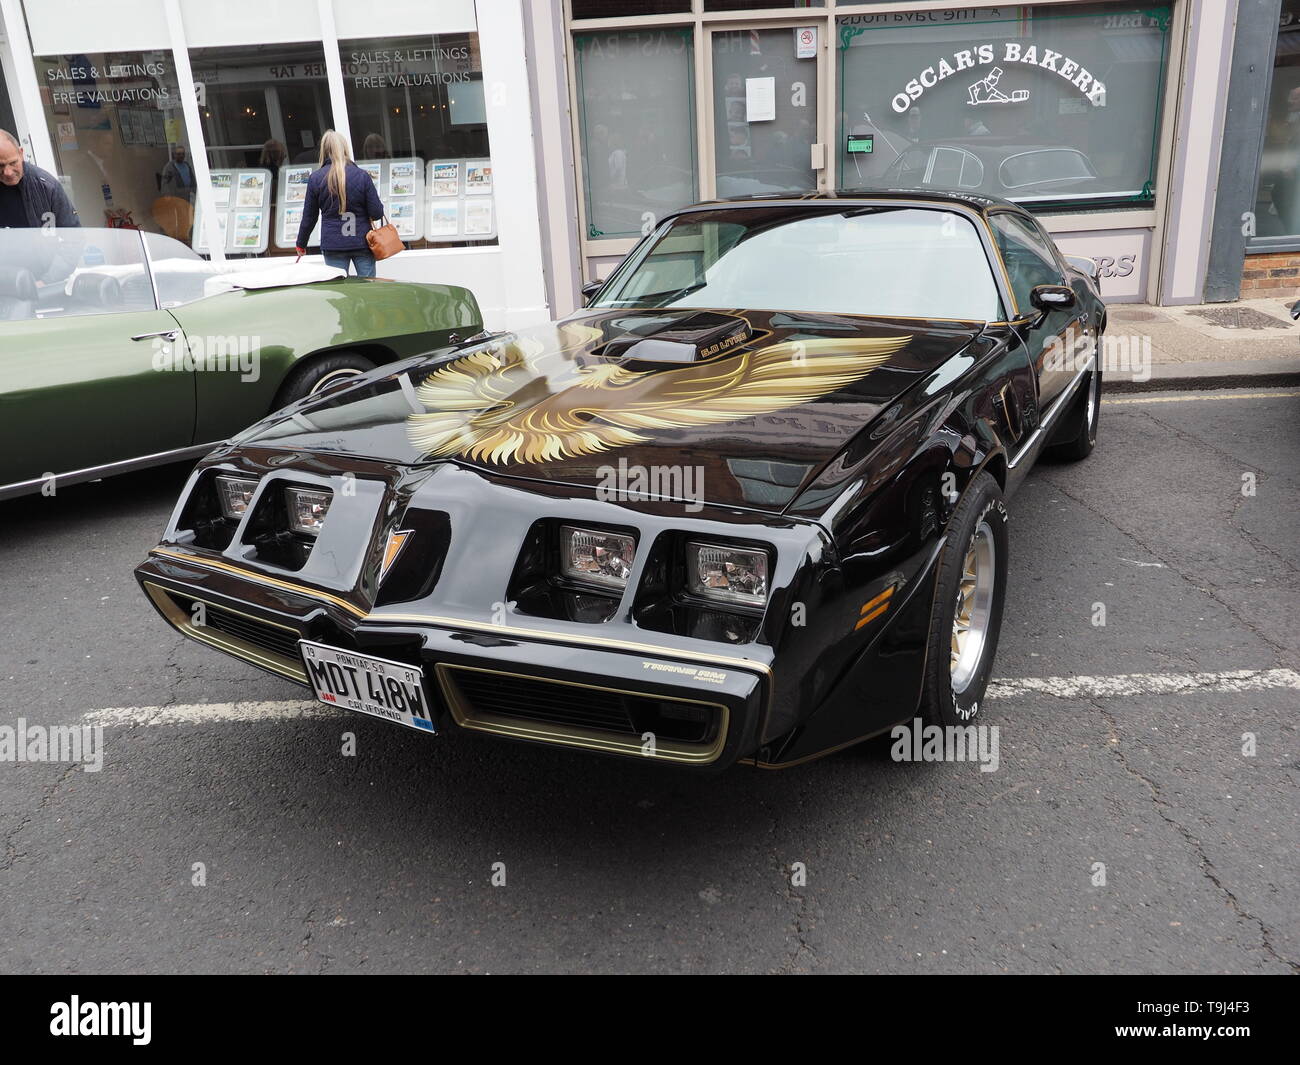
(29, 196)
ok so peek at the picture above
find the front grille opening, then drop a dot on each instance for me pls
(537, 587)
(268, 532)
(525, 699)
(273, 638)
(663, 604)
(202, 517)
(414, 573)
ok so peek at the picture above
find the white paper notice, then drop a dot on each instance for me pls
(760, 99)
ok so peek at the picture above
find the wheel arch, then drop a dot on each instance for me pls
(377, 352)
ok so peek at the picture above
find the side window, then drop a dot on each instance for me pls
(1029, 259)
(945, 172)
(972, 171)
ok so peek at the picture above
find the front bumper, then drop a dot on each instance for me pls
(595, 694)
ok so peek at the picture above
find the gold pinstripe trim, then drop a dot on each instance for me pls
(478, 626)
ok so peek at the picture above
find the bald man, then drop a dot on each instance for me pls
(29, 196)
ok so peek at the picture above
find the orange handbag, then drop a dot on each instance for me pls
(384, 241)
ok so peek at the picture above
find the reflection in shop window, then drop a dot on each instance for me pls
(1050, 106)
(117, 130)
(419, 124)
(636, 118)
(1277, 209)
(264, 109)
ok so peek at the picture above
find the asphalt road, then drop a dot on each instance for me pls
(317, 862)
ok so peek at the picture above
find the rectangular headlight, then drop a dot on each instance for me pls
(307, 509)
(235, 493)
(729, 574)
(595, 556)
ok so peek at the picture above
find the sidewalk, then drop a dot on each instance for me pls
(1214, 345)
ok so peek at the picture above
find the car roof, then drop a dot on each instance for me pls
(978, 202)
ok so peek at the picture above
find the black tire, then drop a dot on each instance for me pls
(1078, 435)
(315, 374)
(979, 524)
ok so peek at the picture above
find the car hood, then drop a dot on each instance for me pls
(737, 408)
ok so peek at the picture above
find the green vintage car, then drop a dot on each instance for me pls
(123, 349)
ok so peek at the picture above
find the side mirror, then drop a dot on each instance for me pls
(1052, 297)
(1295, 311)
(590, 289)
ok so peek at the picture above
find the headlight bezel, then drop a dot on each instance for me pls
(293, 494)
(726, 598)
(598, 583)
(221, 483)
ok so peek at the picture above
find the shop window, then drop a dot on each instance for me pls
(263, 109)
(758, 5)
(636, 119)
(1054, 107)
(627, 8)
(1277, 209)
(418, 119)
(118, 134)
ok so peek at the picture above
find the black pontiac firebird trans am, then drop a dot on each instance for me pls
(747, 505)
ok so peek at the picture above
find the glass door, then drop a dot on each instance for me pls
(766, 124)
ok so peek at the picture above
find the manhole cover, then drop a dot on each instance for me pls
(1134, 316)
(1241, 318)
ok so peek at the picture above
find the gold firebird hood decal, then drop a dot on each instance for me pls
(501, 404)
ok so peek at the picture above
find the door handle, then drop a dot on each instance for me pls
(167, 334)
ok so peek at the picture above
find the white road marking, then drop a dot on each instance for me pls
(208, 713)
(1135, 562)
(1195, 398)
(1129, 684)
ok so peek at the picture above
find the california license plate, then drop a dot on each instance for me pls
(393, 691)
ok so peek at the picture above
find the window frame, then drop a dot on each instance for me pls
(1035, 228)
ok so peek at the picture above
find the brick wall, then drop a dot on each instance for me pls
(1276, 274)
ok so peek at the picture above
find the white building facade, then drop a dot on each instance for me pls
(523, 148)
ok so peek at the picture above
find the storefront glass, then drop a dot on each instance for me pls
(1277, 209)
(119, 140)
(764, 112)
(636, 123)
(419, 124)
(627, 8)
(264, 109)
(1050, 106)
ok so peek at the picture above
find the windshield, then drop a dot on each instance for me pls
(59, 273)
(880, 261)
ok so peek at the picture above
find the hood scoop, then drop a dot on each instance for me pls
(695, 338)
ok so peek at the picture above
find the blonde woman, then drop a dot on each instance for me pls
(346, 200)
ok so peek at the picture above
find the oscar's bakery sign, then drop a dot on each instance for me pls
(985, 90)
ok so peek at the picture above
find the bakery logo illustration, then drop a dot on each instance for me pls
(986, 91)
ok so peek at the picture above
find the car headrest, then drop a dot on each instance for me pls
(17, 282)
(97, 290)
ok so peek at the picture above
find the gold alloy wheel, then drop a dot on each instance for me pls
(974, 608)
